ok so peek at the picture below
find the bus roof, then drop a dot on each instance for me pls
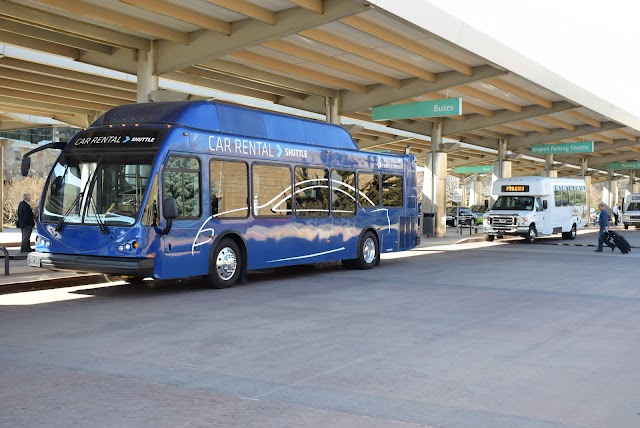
(231, 119)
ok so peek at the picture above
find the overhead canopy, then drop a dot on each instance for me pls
(301, 53)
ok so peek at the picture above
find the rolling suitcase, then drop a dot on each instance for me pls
(622, 244)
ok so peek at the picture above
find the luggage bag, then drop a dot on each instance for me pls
(619, 241)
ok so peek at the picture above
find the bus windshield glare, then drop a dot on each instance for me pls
(101, 186)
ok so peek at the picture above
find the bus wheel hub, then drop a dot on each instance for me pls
(226, 263)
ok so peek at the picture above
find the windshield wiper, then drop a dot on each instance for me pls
(101, 224)
(64, 217)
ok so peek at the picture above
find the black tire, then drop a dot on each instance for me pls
(571, 234)
(489, 238)
(530, 237)
(626, 227)
(225, 266)
(368, 252)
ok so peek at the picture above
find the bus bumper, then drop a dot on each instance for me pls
(94, 264)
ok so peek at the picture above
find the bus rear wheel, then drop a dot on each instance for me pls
(225, 265)
(570, 234)
(368, 254)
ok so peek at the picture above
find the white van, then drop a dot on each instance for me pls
(631, 211)
(536, 206)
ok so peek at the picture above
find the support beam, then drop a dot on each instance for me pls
(163, 7)
(502, 117)
(64, 25)
(264, 77)
(48, 36)
(413, 46)
(555, 135)
(207, 45)
(120, 19)
(368, 53)
(380, 94)
(331, 62)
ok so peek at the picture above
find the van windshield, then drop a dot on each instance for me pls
(634, 206)
(514, 203)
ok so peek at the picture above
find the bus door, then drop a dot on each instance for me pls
(182, 180)
(542, 225)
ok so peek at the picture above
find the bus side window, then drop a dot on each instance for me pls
(343, 193)
(369, 189)
(181, 180)
(150, 213)
(229, 188)
(539, 205)
(311, 192)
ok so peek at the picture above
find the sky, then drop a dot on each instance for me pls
(592, 43)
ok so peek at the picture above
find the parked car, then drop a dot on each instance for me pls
(466, 216)
(479, 211)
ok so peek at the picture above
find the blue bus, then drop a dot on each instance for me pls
(204, 189)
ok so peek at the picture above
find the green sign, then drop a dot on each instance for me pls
(470, 169)
(624, 165)
(551, 149)
(446, 107)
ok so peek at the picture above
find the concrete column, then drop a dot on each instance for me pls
(584, 168)
(477, 198)
(440, 192)
(629, 189)
(146, 68)
(548, 170)
(614, 193)
(332, 106)
(501, 167)
(607, 190)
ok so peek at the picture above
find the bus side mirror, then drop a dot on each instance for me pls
(544, 205)
(25, 166)
(169, 212)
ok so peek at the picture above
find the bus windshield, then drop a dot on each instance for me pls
(517, 203)
(99, 186)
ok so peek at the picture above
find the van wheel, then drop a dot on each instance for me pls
(571, 234)
(225, 265)
(368, 253)
(489, 238)
(626, 227)
(530, 237)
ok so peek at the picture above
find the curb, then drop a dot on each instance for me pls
(51, 283)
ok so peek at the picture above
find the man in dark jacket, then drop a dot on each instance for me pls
(25, 222)
(603, 221)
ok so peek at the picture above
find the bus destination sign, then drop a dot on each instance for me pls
(515, 188)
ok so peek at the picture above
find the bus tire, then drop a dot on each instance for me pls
(530, 237)
(225, 266)
(489, 238)
(570, 234)
(626, 227)
(368, 254)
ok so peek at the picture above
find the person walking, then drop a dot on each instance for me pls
(616, 212)
(26, 221)
(603, 222)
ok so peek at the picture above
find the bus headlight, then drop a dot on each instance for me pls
(524, 221)
(128, 247)
(626, 217)
(485, 221)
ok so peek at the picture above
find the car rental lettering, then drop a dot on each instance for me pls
(248, 147)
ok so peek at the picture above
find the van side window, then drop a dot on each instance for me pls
(539, 204)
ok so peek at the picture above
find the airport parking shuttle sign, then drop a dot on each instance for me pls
(550, 149)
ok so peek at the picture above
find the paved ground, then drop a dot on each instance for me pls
(500, 334)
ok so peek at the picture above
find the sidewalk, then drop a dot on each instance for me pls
(26, 278)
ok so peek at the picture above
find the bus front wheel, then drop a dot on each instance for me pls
(226, 265)
(530, 237)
